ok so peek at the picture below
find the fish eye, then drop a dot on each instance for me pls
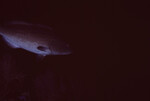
(42, 48)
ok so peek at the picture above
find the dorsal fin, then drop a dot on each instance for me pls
(28, 24)
(18, 23)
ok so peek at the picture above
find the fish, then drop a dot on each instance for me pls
(36, 38)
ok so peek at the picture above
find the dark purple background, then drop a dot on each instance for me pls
(56, 78)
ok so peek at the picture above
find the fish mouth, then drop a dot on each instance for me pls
(59, 47)
(61, 53)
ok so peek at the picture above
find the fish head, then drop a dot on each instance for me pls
(42, 50)
(59, 47)
(53, 47)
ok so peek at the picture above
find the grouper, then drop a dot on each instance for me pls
(35, 38)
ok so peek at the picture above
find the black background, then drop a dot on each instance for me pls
(127, 45)
(56, 78)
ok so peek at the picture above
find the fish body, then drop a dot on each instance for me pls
(37, 39)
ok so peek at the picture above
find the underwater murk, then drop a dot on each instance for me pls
(47, 51)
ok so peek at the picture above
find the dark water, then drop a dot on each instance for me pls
(126, 72)
(56, 78)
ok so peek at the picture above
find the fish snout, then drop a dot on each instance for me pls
(60, 48)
